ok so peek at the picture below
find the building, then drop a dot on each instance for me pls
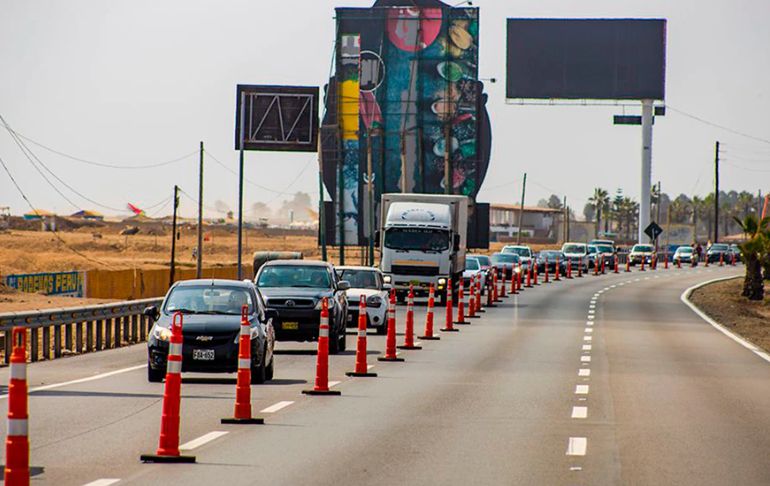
(539, 224)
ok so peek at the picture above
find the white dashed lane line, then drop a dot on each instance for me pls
(204, 439)
(585, 359)
(276, 407)
(584, 372)
(586, 347)
(579, 412)
(103, 482)
(581, 389)
(577, 446)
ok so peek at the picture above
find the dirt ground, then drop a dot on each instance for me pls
(12, 301)
(723, 302)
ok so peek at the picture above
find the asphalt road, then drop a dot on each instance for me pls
(601, 380)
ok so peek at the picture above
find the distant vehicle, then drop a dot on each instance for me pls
(606, 252)
(685, 254)
(576, 254)
(737, 252)
(473, 268)
(609, 243)
(506, 262)
(717, 250)
(670, 250)
(524, 253)
(486, 263)
(641, 252)
(296, 289)
(211, 311)
(548, 258)
(369, 282)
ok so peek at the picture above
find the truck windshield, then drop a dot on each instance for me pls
(417, 239)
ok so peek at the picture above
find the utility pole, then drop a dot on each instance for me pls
(716, 193)
(240, 186)
(199, 272)
(321, 203)
(173, 238)
(660, 200)
(521, 209)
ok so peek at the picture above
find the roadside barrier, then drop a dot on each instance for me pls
(448, 327)
(362, 368)
(17, 439)
(409, 326)
(242, 413)
(461, 304)
(390, 340)
(168, 444)
(429, 336)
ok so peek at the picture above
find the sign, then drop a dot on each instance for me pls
(653, 231)
(277, 118)
(70, 284)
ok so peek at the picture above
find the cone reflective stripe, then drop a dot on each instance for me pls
(242, 411)
(168, 444)
(449, 309)
(461, 304)
(362, 368)
(409, 326)
(428, 335)
(322, 356)
(17, 439)
(390, 340)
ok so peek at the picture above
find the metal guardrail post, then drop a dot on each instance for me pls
(89, 336)
(34, 347)
(99, 334)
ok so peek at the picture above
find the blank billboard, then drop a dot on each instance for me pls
(599, 59)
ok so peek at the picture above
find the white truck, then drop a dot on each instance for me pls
(423, 240)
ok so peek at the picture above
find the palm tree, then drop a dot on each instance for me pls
(746, 202)
(697, 210)
(600, 200)
(753, 250)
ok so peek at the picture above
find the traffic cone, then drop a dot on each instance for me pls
(461, 304)
(390, 340)
(491, 290)
(580, 268)
(514, 286)
(547, 273)
(642, 268)
(596, 268)
(654, 262)
(665, 261)
(693, 261)
(707, 260)
(495, 293)
(537, 274)
(628, 265)
(479, 290)
(449, 309)
(17, 439)
(721, 259)
(679, 263)
(168, 444)
(242, 414)
(529, 278)
(733, 260)
(472, 301)
(409, 327)
(429, 317)
(604, 266)
(322, 357)
(569, 269)
(362, 368)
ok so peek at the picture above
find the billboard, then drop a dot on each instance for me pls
(599, 59)
(70, 284)
(277, 118)
(404, 104)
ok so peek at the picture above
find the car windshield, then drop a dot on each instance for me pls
(602, 243)
(294, 276)
(482, 259)
(504, 258)
(517, 250)
(643, 248)
(360, 279)
(592, 249)
(417, 239)
(719, 247)
(550, 255)
(208, 299)
(574, 249)
(605, 248)
(472, 264)
(686, 249)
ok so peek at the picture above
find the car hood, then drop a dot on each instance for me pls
(295, 292)
(204, 323)
(354, 295)
(471, 273)
(575, 255)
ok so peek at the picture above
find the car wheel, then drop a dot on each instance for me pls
(259, 373)
(270, 370)
(154, 376)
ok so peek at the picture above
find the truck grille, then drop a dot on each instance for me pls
(299, 303)
(414, 270)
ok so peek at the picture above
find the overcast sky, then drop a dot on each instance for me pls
(143, 81)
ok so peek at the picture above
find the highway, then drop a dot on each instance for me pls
(592, 381)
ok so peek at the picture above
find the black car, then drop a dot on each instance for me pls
(549, 258)
(507, 262)
(296, 289)
(717, 251)
(211, 325)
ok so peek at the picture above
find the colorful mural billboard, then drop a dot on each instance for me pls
(63, 283)
(406, 104)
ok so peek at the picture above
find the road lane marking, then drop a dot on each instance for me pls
(369, 367)
(82, 380)
(588, 338)
(102, 482)
(579, 412)
(204, 439)
(589, 330)
(584, 372)
(585, 359)
(581, 389)
(591, 312)
(592, 306)
(334, 383)
(577, 446)
(278, 406)
(586, 347)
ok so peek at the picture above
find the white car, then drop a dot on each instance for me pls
(369, 282)
(577, 254)
(524, 253)
(472, 269)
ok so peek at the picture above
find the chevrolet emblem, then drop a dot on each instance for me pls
(204, 338)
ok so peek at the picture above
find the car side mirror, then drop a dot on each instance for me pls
(151, 312)
(343, 285)
(271, 314)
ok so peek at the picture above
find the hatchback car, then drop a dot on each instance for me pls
(211, 325)
(506, 262)
(369, 283)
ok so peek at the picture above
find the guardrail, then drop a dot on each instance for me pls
(86, 329)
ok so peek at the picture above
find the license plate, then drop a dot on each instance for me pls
(290, 326)
(203, 354)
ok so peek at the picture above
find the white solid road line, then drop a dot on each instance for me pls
(577, 446)
(579, 412)
(102, 482)
(584, 372)
(204, 439)
(82, 380)
(581, 389)
(276, 407)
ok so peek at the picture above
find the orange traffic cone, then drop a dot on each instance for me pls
(479, 291)
(168, 445)
(537, 274)
(617, 269)
(503, 283)
(390, 340)
(472, 302)
(628, 265)
(461, 304)
(429, 317)
(569, 269)
(547, 273)
(558, 271)
(409, 327)
(242, 414)
(580, 268)
(322, 357)
(17, 440)
(721, 259)
(529, 277)
(642, 268)
(449, 309)
(362, 368)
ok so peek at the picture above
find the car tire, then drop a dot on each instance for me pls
(154, 376)
(259, 373)
(270, 370)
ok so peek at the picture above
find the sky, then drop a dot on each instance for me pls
(141, 82)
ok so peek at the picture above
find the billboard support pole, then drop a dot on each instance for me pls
(448, 186)
(199, 266)
(521, 209)
(240, 188)
(321, 203)
(644, 206)
(370, 195)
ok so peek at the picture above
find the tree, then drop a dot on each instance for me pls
(746, 203)
(600, 201)
(554, 202)
(681, 209)
(753, 250)
(589, 211)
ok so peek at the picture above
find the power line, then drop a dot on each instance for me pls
(716, 125)
(246, 179)
(744, 168)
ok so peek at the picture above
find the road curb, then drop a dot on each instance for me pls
(685, 298)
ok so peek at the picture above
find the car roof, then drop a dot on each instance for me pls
(516, 246)
(214, 282)
(298, 263)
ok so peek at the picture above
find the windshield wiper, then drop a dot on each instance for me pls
(183, 311)
(217, 313)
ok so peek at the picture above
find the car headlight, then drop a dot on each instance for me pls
(374, 301)
(442, 281)
(321, 303)
(161, 333)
